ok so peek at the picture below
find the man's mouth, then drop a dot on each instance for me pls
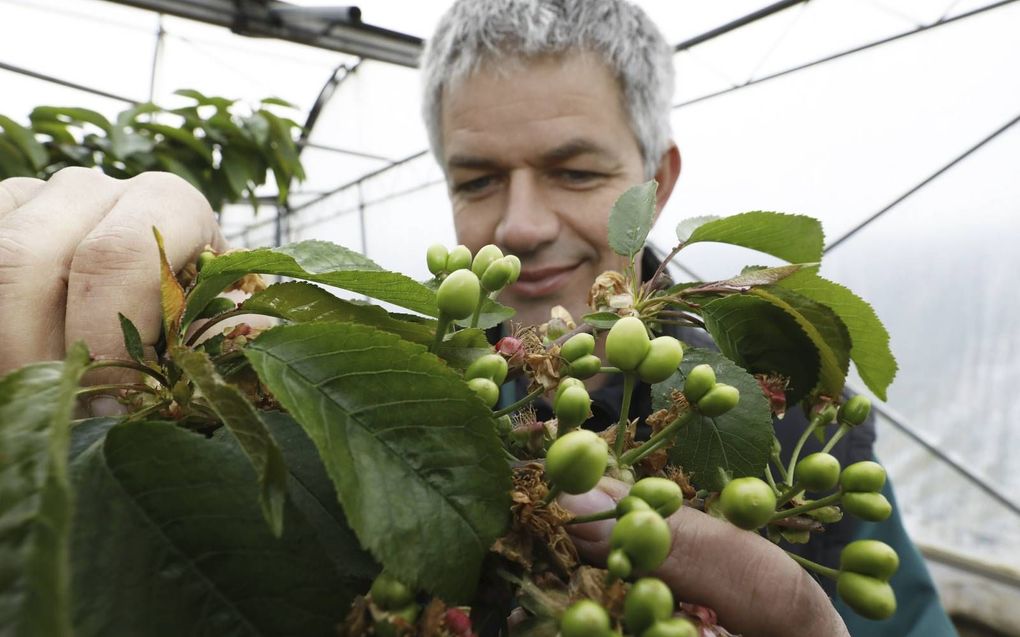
(538, 282)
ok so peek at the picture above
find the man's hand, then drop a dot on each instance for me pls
(79, 248)
(753, 586)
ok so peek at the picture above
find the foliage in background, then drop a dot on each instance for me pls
(219, 146)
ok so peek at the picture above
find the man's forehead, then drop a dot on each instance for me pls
(555, 154)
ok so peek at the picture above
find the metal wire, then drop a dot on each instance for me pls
(841, 54)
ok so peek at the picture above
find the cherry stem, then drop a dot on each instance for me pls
(664, 263)
(219, 318)
(520, 403)
(771, 480)
(776, 460)
(608, 514)
(656, 441)
(145, 369)
(816, 421)
(842, 431)
(629, 381)
(810, 506)
(441, 326)
(478, 308)
(831, 573)
(554, 491)
(609, 370)
(791, 493)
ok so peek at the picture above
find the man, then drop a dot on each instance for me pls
(541, 113)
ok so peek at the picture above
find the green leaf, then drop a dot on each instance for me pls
(686, 228)
(70, 115)
(171, 164)
(461, 348)
(751, 277)
(129, 116)
(242, 419)
(12, 162)
(601, 320)
(869, 339)
(221, 103)
(317, 261)
(412, 452)
(793, 238)
(132, 340)
(631, 219)
(825, 329)
(278, 101)
(240, 168)
(762, 338)
(303, 302)
(124, 144)
(183, 137)
(56, 130)
(738, 442)
(169, 541)
(171, 295)
(25, 140)
(35, 496)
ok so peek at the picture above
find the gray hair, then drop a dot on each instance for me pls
(475, 32)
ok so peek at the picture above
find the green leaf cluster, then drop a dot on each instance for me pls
(222, 148)
(787, 319)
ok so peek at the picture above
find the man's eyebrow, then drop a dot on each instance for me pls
(567, 150)
(574, 148)
(472, 162)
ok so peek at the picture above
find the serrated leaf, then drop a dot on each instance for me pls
(825, 329)
(36, 504)
(244, 421)
(25, 140)
(601, 320)
(738, 442)
(793, 238)
(869, 339)
(384, 412)
(686, 228)
(171, 295)
(132, 340)
(169, 541)
(762, 338)
(763, 276)
(303, 302)
(461, 348)
(317, 261)
(631, 219)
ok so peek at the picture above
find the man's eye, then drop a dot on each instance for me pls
(474, 185)
(577, 176)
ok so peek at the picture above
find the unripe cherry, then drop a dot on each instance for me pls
(435, 258)
(719, 400)
(496, 276)
(458, 294)
(585, 366)
(458, 259)
(485, 256)
(485, 389)
(627, 343)
(664, 356)
(855, 410)
(577, 346)
(699, 381)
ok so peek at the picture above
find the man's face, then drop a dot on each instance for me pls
(535, 159)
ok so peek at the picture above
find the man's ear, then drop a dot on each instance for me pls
(667, 174)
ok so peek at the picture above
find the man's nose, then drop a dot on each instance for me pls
(529, 220)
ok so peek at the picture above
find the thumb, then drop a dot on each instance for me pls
(592, 538)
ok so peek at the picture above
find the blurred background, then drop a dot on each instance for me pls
(892, 121)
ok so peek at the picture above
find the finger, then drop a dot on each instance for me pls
(14, 192)
(37, 243)
(116, 266)
(713, 563)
